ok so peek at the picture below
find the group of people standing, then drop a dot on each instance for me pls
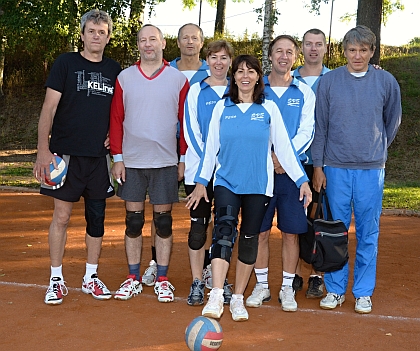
(250, 143)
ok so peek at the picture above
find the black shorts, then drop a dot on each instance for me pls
(203, 209)
(89, 177)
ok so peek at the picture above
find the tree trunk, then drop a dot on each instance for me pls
(2, 54)
(268, 32)
(369, 14)
(219, 24)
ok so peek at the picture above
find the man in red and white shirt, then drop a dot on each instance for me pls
(147, 106)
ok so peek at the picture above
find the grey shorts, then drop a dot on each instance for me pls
(160, 183)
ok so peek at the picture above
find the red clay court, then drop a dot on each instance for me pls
(142, 323)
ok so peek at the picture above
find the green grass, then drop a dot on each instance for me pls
(402, 196)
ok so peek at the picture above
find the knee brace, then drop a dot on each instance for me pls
(163, 224)
(248, 248)
(95, 217)
(197, 235)
(134, 222)
(224, 233)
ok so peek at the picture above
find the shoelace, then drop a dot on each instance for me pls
(56, 287)
(288, 294)
(165, 285)
(238, 305)
(196, 291)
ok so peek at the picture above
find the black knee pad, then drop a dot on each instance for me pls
(197, 235)
(163, 224)
(95, 217)
(224, 233)
(134, 222)
(248, 248)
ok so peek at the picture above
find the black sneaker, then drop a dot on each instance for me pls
(297, 284)
(196, 296)
(315, 288)
(227, 293)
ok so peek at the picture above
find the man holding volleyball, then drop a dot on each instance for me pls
(76, 112)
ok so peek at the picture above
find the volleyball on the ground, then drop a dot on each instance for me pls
(204, 334)
(57, 176)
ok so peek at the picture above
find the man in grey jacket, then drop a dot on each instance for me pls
(358, 113)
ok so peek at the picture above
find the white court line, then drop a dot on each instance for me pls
(306, 310)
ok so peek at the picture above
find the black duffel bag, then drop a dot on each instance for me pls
(327, 238)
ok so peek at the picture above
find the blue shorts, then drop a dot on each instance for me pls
(291, 216)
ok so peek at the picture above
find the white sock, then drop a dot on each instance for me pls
(287, 279)
(262, 276)
(57, 272)
(237, 296)
(90, 269)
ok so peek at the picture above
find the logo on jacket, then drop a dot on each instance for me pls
(257, 117)
(293, 102)
(211, 102)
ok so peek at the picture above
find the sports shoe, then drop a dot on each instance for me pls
(297, 284)
(55, 292)
(96, 287)
(331, 301)
(363, 305)
(237, 308)
(128, 289)
(227, 292)
(196, 296)
(315, 288)
(164, 290)
(258, 296)
(149, 276)
(207, 277)
(287, 299)
(214, 305)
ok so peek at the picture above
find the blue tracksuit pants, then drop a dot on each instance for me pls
(359, 191)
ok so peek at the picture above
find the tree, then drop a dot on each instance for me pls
(270, 19)
(219, 24)
(369, 14)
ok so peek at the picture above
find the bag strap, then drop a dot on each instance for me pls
(319, 206)
(322, 195)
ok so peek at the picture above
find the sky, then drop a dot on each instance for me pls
(294, 19)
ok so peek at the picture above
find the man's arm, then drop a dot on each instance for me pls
(392, 112)
(44, 157)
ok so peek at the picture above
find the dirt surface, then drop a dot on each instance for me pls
(142, 323)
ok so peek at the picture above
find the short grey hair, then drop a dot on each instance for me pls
(150, 25)
(360, 35)
(96, 16)
(191, 24)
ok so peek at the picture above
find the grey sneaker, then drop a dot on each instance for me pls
(196, 296)
(363, 305)
(315, 288)
(258, 296)
(214, 305)
(331, 301)
(287, 299)
(227, 292)
(237, 308)
(149, 276)
(207, 278)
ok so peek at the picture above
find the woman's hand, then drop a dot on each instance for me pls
(194, 198)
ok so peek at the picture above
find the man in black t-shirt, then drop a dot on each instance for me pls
(76, 111)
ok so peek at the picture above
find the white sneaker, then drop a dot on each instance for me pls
(96, 288)
(237, 308)
(149, 276)
(207, 278)
(363, 305)
(128, 289)
(287, 299)
(164, 290)
(55, 292)
(214, 305)
(258, 296)
(331, 301)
